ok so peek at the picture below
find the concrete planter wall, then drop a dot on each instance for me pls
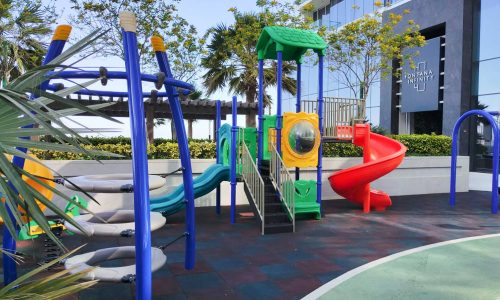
(416, 175)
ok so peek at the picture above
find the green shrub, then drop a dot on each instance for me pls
(341, 150)
(425, 144)
(418, 145)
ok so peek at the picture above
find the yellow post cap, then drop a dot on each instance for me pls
(158, 44)
(61, 33)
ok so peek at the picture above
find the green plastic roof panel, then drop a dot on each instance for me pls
(292, 42)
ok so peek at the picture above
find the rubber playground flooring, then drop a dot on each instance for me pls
(235, 262)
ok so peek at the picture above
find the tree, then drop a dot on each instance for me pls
(363, 50)
(232, 62)
(24, 29)
(184, 47)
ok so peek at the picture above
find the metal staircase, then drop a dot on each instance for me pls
(277, 218)
(264, 195)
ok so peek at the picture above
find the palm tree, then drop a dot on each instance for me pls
(232, 61)
(17, 111)
(23, 27)
(51, 286)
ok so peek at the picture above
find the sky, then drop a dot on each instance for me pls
(202, 14)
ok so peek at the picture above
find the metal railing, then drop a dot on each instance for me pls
(253, 180)
(339, 115)
(283, 182)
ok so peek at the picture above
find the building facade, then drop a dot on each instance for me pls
(456, 71)
(334, 14)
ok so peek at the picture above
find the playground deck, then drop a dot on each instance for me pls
(236, 262)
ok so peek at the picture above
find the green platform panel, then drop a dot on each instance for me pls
(269, 122)
(305, 199)
(250, 136)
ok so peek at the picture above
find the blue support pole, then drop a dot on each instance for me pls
(217, 152)
(139, 167)
(187, 173)
(234, 137)
(261, 111)
(55, 48)
(320, 117)
(297, 104)
(454, 153)
(279, 113)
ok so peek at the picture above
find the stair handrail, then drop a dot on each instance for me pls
(251, 177)
(283, 182)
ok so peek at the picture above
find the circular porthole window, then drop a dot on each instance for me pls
(302, 137)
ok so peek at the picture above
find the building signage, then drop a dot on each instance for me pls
(420, 85)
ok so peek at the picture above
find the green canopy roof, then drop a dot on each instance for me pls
(292, 42)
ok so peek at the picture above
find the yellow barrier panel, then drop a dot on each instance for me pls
(300, 139)
(37, 169)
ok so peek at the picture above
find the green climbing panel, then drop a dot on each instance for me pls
(269, 122)
(250, 136)
(305, 199)
(292, 42)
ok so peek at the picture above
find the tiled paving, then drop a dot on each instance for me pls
(236, 262)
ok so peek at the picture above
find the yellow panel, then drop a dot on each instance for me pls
(37, 169)
(290, 157)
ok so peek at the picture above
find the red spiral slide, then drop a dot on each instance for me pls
(381, 155)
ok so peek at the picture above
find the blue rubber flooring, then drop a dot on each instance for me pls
(236, 262)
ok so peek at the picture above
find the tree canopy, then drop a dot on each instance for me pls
(25, 27)
(232, 61)
(184, 46)
(363, 50)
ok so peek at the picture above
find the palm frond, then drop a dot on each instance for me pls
(52, 286)
(17, 110)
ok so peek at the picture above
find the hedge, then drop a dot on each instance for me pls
(418, 145)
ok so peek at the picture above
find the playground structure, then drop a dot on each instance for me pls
(294, 140)
(145, 256)
(258, 157)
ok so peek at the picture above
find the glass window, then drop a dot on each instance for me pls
(373, 98)
(488, 77)
(334, 11)
(373, 115)
(315, 15)
(483, 151)
(358, 12)
(489, 102)
(367, 6)
(342, 14)
(349, 4)
(489, 45)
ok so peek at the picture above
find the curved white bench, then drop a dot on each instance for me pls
(111, 223)
(110, 183)
(90, 260)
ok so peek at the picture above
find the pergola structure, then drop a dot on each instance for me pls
(154, 108)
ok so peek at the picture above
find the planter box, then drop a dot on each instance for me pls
(416, 175)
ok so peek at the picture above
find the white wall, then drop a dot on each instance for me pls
(416, 175)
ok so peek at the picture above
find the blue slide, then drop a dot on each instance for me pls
(203, 184)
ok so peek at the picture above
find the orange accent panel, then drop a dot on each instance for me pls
(62, 33)
(158, 44)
